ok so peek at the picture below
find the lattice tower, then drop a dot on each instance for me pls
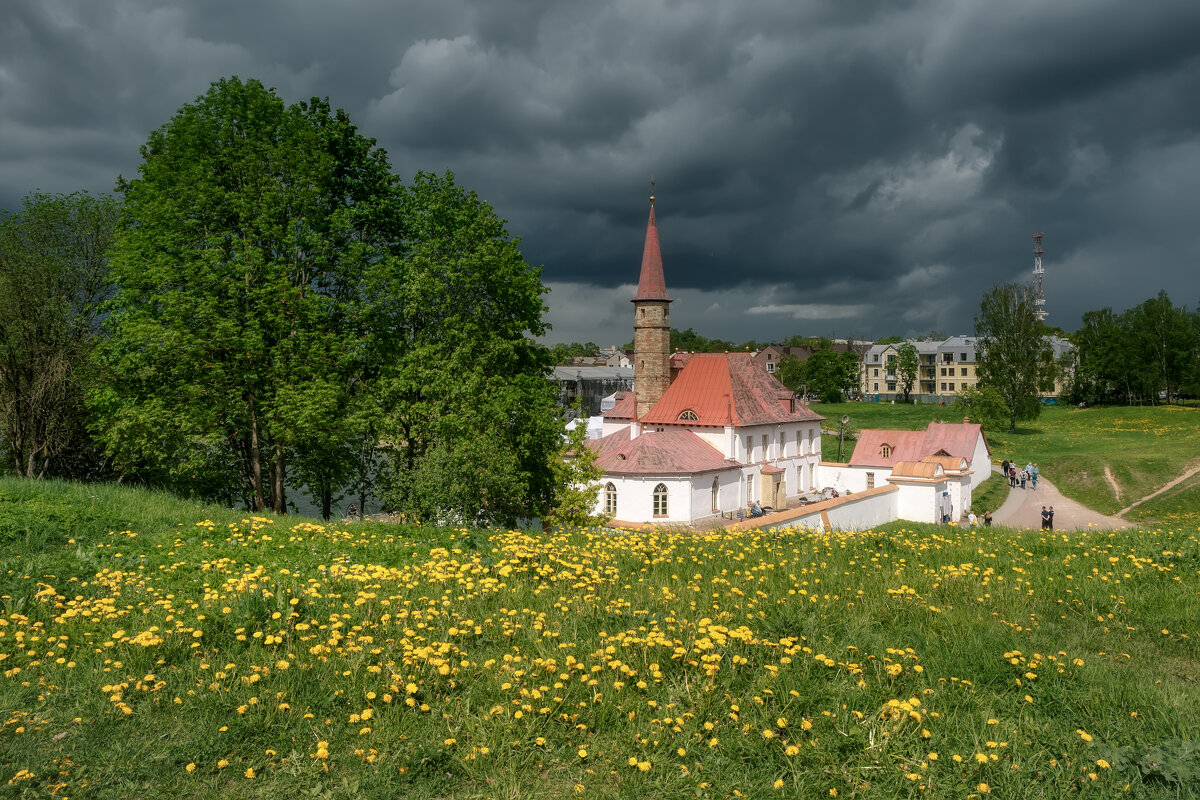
(1039, 299)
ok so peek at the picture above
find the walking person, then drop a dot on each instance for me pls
(1045, 519)
(987, 519)
(1023, 476)
(1012, 477)
(1033, 475)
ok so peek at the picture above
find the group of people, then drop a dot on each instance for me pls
(1017, 476)
(974, 520)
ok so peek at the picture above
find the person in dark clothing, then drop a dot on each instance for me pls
(987, 518)
(1045, 519)
(1050, 525)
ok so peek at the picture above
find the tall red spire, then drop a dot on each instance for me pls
(651, 284)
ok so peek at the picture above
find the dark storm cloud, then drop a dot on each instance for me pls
(853, 169)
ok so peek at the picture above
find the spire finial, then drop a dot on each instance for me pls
(651, 191)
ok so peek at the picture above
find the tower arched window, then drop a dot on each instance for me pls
(687, 415)
(610, 499)
(660, 500)
(716, 491)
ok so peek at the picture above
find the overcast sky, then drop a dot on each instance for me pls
(826, 168)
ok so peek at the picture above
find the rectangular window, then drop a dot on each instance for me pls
(870, 480)
(943, 372)
(876, 375)
(876, 358)
(947, 358)
(749, 448)
(943, 386)
(962, 356)
(963, 371)
(891, 386)
(951, 387)
(890, 359)
(770, 366)
(765, 452)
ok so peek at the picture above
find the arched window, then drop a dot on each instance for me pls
(610, 499)
(688, 415)
(886, 451)
(716, 490)
(660, 500)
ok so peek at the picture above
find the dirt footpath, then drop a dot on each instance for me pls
(1023, 509)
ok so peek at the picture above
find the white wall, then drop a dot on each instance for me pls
(853, 513)
(863, 513)
(917, 502)
(981, 465)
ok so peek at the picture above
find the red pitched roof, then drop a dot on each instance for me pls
(954, 439)
(727, 389)
(651, 284)
(625, 408)
(657, 453)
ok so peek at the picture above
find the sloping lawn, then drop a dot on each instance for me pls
(152, 648)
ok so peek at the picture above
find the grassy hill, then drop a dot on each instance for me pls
(1143, 447)
(154, 648)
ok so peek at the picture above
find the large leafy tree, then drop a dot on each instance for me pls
(831, 375)
(248, 235)
(908, 361)
(53, 277)
(1015, 359)
(471, 418)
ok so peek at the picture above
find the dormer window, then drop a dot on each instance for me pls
(886, 451)
(687, 415)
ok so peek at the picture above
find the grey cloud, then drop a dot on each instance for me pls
(811, 157)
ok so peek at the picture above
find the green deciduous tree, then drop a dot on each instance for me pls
(249, 234)
(578, 478)
(470, 415)
(908, 361)
(53, 277)
(791, 372)
(1015, 359)
(831, 375)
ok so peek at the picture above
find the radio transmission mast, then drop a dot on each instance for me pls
(1039, 299)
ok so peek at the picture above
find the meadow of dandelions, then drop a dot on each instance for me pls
(266, 657)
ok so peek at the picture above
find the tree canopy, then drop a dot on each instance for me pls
(1015, 358)
(289, 314)
(908, 361)
(53, 277)
(1146, 354)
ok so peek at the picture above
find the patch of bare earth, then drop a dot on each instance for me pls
(1112, 482)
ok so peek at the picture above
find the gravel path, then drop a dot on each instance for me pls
(1023, 509)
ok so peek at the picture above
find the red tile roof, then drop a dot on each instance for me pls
(673, 452)
(727, 389)
(651, 284)
(953, 439)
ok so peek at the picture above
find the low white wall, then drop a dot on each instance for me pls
(860, 513)
(856, 512)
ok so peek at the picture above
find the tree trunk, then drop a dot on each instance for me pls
(326, 501)
(256, 477)
(278, 474)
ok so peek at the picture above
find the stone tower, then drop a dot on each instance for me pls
(651, 325)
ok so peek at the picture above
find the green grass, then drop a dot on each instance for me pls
(153, 648)
(1144, 447)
